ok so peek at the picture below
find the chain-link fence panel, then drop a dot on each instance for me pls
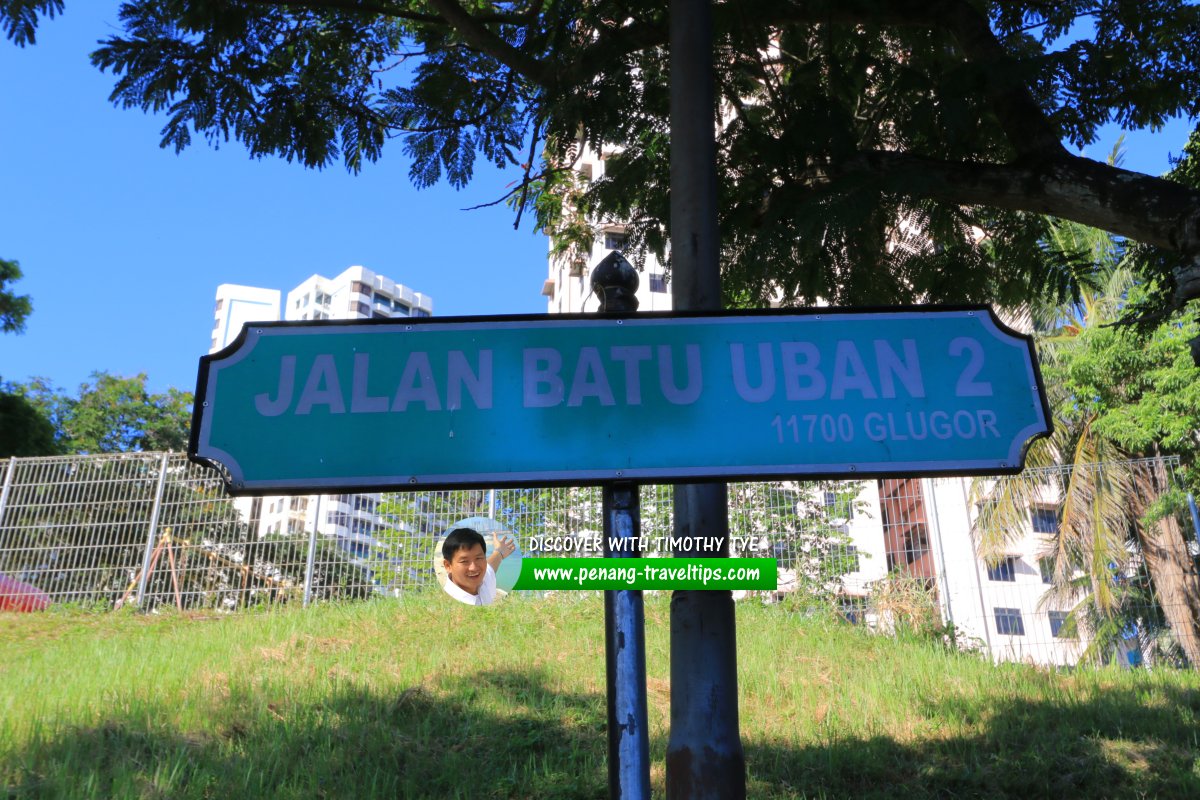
(1061, 565)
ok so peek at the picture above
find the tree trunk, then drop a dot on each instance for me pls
(1171, 567)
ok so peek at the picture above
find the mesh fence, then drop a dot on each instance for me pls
(1095, 563)
(1054, 566)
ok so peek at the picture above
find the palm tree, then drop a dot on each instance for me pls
(1111, 558)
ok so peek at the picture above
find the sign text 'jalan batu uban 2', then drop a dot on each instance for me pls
(541, 400)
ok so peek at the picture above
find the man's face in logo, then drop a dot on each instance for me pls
(467, 568)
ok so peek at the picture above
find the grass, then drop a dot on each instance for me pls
(428, 698)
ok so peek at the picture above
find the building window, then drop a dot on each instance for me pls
(214, 342)
(658, 283)
(357, 549)
(1057, 620)
(220, 304)
(362, 309)
(1045, 520)
(1009, 622)
(615, 241)
(1003, 570)
(402, 308)
(784, 554)
(362, 527)
(216, 324)
(916, 542)
(321, 299)
(361, 288)
(420, 312)
(1046, 567)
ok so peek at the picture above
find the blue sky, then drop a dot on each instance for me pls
(123, 244)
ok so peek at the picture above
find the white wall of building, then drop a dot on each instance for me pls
(237, 305)
(355, 293)
(866, 534)
(568, 285)
(1004, 607)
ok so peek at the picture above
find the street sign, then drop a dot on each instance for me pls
(541, 400)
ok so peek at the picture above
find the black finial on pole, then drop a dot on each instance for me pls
(615, 282)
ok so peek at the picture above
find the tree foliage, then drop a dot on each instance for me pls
(1155, 301)
(404, 549)
(14, 308)
(870, 150)
(804, 526)
(24, 431)
(1119, 558)
(112, 414)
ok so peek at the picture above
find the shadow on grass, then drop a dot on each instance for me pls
(496, 734)
(1111, 744)
(510, 734)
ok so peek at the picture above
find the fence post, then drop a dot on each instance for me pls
(152, 533)
(929, 491)
(1191, 507)
(8, 477)
(312, 555)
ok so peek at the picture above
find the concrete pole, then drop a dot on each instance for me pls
(704, 751)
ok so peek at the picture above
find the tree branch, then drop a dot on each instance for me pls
(475, 32)
(383, 9)
(521, 185)
(393, 11)
(1129, 204)
(1023, 120)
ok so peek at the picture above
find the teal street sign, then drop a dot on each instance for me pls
(542, 400)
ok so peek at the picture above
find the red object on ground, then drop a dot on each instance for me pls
(19, 596)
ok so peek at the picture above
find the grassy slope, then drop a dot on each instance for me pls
(428, 698)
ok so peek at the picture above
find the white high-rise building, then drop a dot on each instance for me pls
(357, 293)
(568, 286)
(237, 305)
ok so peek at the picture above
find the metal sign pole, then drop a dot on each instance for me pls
(615, 282)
